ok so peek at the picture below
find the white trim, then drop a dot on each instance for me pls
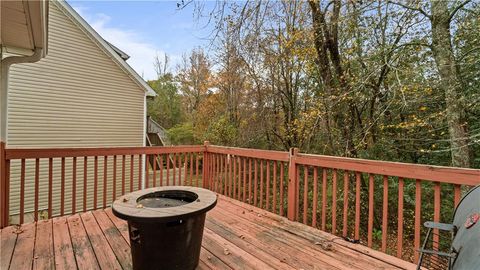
(69, 11)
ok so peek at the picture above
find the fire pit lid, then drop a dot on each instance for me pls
(164, 204)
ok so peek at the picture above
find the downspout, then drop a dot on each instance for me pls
(4, 182)
(5, 66)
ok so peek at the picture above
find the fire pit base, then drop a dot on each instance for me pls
(175, 244)
(165, 225)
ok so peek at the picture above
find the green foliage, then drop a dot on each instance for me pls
(182, 134)
(166, 108)
(222, 132)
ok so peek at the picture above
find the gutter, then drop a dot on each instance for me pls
(5, 66)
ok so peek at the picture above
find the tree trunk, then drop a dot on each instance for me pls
(450, 83)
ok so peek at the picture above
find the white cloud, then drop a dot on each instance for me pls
(141, 52)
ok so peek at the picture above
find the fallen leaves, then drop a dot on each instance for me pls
(325, 245)
(17, 230)
(226, 251)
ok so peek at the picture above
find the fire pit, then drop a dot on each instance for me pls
(165, 225)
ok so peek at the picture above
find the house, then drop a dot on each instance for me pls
(81, 94)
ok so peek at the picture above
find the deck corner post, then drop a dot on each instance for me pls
(205, 167)
(3, 187)
(292, 184)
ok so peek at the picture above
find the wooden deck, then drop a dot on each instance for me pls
(237, 236)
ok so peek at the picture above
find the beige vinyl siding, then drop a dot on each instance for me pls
(77, 96)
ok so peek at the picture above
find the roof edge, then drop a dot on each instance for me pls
(69, 11)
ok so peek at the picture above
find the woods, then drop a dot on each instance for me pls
(389, 80)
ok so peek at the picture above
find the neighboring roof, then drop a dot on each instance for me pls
(107, 47)
(120, 53)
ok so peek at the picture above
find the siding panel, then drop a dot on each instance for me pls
(75, 97)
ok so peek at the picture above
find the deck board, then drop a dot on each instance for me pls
(44, 257)
(7, 240)
(82, 247)
(119, 245)
(62, 245)
(236, 236)
(23, 254)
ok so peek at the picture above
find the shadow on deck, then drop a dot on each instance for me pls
(236, 236)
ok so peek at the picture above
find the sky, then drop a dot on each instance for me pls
(144, 29)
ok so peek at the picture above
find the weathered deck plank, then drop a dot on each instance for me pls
(23, 253)
(104, 253)
(44, 258)
(115, 239)
(236, 236)
(82, 248)
(62, 245)
(327, 253)
(7, 240)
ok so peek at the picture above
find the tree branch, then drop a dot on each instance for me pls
(455, 10)
(411, 8)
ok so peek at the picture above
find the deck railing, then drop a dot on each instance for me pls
(380, 204)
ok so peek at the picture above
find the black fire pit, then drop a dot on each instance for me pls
(165, 225)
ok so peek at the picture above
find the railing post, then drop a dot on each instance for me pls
(205, 167)
(3, 188)
(292, 184)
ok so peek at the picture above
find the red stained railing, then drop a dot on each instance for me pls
(375, 202)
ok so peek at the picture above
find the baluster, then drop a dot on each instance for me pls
(179, 169)
(249, 181)
(175, 165)
(74, 185)
(123, 174)
(315, 197)
(147, 173)
(436, 214)
(85, 178)
(191, 169)
(197, 165)
(154, 158)
(370, 210)
(105, 162)
(418, 209)
(305, 194)
(385, 214)
(456, 194)
(345, 203)
(357, 205)
(114, 190)
(274, 202)
(22, 190)
(62, 188)
(131, 172)
(140, 159)
(261, 183)
(334, 202)
(282, 187)
(400, 218)
(185, 165)
(255, 182)
(324, 198)
(234, 160)
(37, 183)
(167, 160)
(95, 182)
(161, 169)
(267, 190)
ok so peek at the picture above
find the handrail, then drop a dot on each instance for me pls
(329, 193)
(19, 153)
(462, 176)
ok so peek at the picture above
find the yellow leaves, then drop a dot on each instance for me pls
(423, 108)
